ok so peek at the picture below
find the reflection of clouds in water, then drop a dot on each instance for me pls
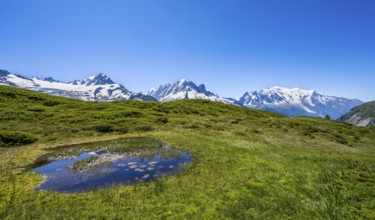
(109, 168)
(106, 171)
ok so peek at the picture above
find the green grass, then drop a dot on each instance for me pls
(365, 110)
(246, 164)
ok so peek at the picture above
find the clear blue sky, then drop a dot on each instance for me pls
(232, 46)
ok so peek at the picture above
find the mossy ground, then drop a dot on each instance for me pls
(246, 164)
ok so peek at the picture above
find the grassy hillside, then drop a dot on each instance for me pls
(363, 115)
(246, 164)
(366, 110)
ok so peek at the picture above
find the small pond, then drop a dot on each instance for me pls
(84, 167)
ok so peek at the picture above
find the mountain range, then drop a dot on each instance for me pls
(295, 102)
(98, 87)
(291, 102)
(184, 89)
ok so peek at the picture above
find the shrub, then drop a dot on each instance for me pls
(194, 111)
(35, 98)
(305, 133)
(240, 133)
(8, 94)
(103, 128)
(340, 139)
(255, 131)
(15, 138)
(122, 130)
(98, 108)
(133, 114)
(145, 128)
(50, 103)
(194, 126)
(161, 109)
(37, 109)
(162, 120)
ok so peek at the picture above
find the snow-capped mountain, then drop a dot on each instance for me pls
(98, 87)
(184, 89)
(296, 102)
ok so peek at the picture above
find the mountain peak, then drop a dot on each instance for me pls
(182, 80)
(181, 89)
(99, 79)
(4, 73)
(202, 87)
(50, 79)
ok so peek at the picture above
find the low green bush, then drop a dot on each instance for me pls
(131, 114)
(144, 128)
(15, 138)
(162, 120)
(103, 128)
(50, 103)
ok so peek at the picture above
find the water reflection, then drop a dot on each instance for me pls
(97, 165)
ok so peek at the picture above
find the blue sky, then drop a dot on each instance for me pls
(232, 46)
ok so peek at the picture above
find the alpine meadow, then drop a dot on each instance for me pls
(246, 163)
(187, 109)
